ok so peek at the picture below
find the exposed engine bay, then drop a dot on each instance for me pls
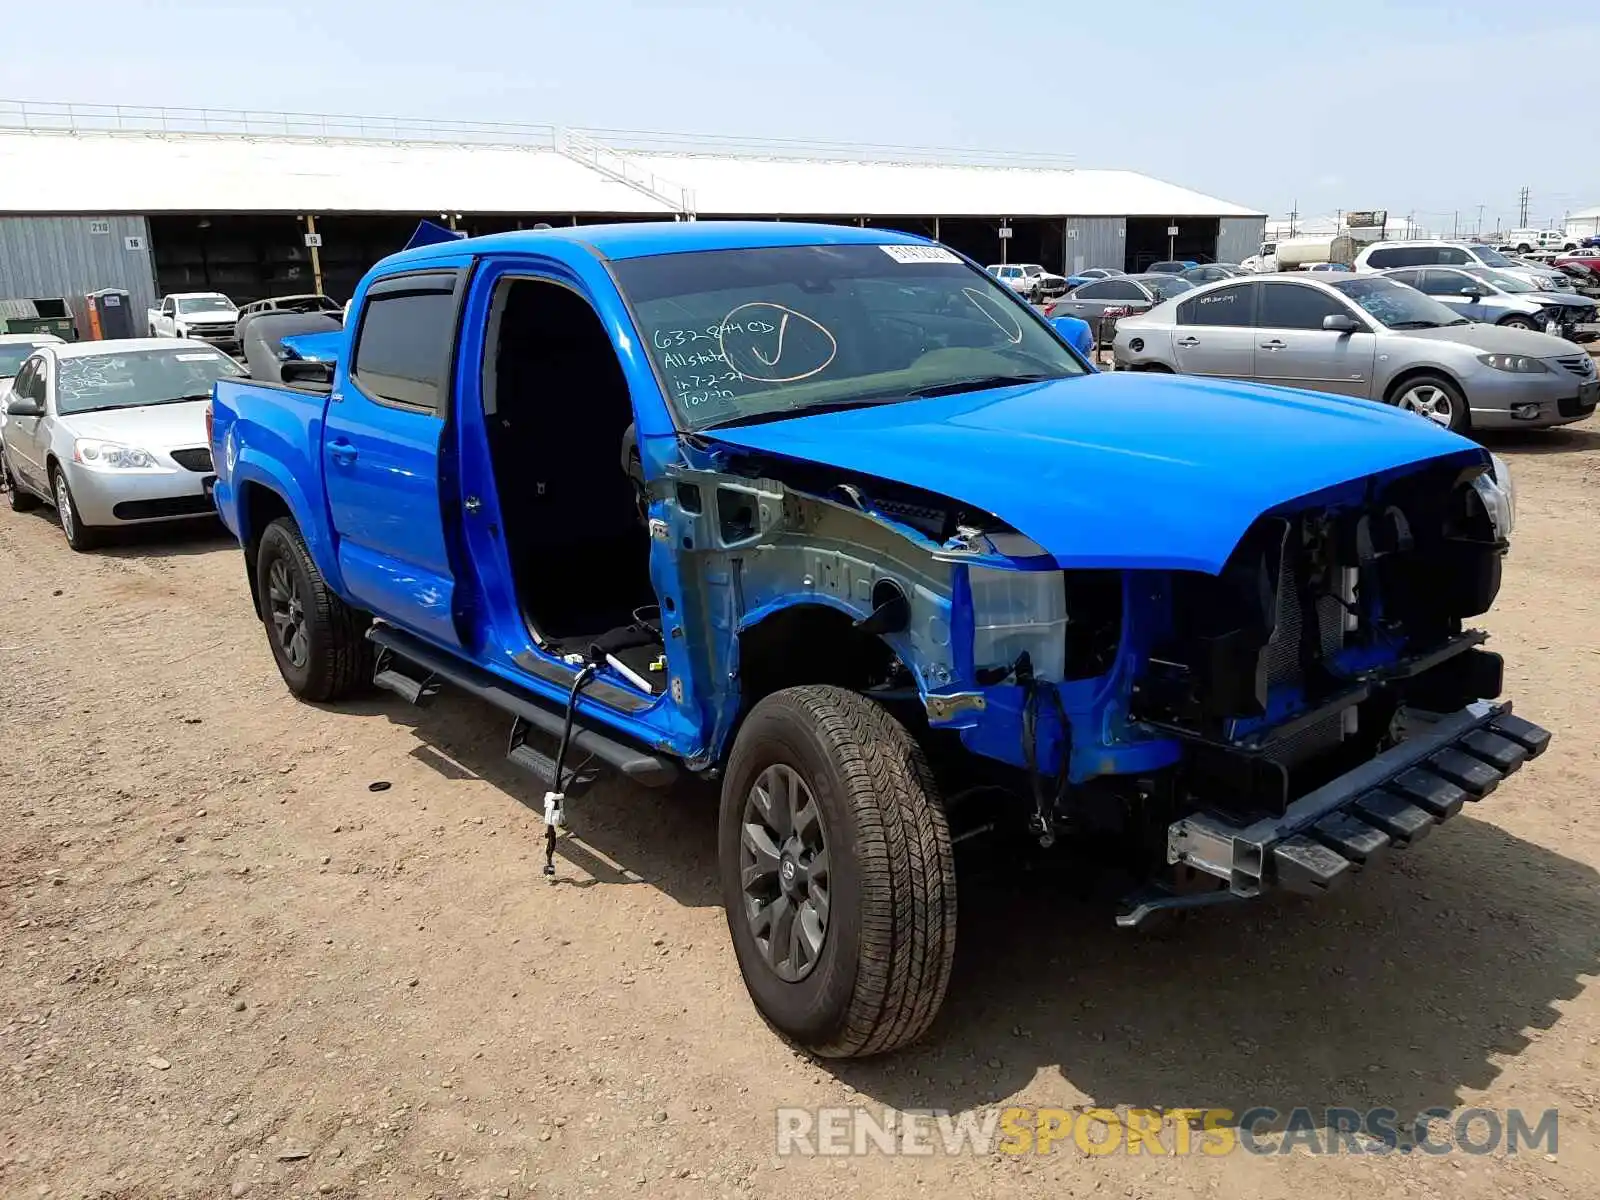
(1159, 710)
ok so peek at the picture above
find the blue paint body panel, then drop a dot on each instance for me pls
(316, 347)
(1142, 473)
(1118, 469)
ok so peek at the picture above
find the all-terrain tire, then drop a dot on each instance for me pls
(885, 960)
(334, 659)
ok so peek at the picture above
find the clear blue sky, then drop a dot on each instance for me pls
(1432, 107)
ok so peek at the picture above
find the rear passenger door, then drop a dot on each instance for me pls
(1294, 350)
(1092, 299)
(1446, 286)
(1215, 333)
(381, 451)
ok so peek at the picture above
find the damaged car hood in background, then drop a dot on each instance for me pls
(1116, 470)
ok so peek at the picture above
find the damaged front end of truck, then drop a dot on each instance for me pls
(1275, 722)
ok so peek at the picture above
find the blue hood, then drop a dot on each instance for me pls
(316, 347)
(1120, 469)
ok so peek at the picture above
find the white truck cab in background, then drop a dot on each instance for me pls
(203, 316)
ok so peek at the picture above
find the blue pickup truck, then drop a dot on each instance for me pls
(832, 517)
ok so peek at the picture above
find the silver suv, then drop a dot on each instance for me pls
(1385, 256)
(1365, 336)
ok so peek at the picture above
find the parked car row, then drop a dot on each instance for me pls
(1371, 336)
(111, 433)
(213, 318)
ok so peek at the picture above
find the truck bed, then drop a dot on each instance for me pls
(269, 434)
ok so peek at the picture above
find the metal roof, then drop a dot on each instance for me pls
(842, 188)
(88, 159)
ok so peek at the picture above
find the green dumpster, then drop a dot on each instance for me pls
(38, 316)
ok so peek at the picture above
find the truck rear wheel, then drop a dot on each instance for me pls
(837, 873)
(318, 641)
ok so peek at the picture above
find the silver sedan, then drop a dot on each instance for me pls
(1366, 336)
(112, 433)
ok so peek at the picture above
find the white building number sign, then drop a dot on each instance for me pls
(133, 243)
(100, 227)
(313, 240)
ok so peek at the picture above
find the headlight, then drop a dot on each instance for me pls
(1499, 495)
(1016, 612)
(1520, 363)
(1543, 284)
(112, 456)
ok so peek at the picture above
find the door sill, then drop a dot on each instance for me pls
(623, 699)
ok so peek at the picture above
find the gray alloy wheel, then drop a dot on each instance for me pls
(1427, 398)
(64, 505)
(783, 861)
(287, 610)
(80, 537)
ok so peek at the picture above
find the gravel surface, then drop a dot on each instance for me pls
(228, 967)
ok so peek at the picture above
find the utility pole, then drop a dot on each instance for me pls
(1455, 226)
(1293, 213)
(1522, 209)
(1481, 207)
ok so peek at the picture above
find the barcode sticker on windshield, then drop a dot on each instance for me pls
(920, 254)
(203, 356)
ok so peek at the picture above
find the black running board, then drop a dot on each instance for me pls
(641, 766)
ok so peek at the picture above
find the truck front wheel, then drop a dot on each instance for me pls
(837, 873)
(318, 641)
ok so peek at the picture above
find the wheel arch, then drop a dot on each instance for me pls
(798, 642)
(1403, 377)
(259, 506)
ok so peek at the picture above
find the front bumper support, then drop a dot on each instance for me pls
(1389, 802)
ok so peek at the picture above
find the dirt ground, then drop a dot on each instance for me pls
(229, 967)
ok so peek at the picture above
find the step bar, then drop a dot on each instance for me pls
(530, 712)
(1329, 834)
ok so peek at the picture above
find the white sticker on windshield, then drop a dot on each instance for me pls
(201, 357)
(920, 254)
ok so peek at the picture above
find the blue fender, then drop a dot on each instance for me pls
(255, 467)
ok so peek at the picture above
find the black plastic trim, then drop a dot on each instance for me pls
(639, 765)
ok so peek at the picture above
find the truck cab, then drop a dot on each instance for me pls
(208, 317)
(835, 519)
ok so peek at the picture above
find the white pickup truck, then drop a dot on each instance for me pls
(204, 316)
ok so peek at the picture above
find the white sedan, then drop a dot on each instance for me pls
(112, 433)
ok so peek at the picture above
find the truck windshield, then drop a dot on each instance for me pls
(755, 334)
(95, 382)
(191, 306)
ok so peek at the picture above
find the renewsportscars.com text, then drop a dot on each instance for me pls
(847, 1130)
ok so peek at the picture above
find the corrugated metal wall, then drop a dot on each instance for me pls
(68, 256)
(1100, 242)
(1239, 238)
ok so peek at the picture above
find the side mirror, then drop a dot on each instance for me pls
(24, 406)
(1472, 293)
(300, 372)
(1340, 323)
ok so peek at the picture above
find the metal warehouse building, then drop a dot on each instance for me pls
(252, 204)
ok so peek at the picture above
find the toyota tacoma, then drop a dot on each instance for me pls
(832, 517)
